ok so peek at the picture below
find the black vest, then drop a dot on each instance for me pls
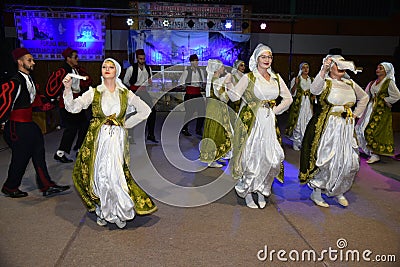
(24, 98)
(135, 70)
(188, 80)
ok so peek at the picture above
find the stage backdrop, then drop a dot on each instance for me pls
(47, 34)
(174, 47)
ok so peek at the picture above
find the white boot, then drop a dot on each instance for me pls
(342, 200)
(101, 221)
(261, 200)
(317, 198)
(214, 164)
(120, 224)
(250, 201)
(374, 158)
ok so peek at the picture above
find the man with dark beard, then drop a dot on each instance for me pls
(21, 134)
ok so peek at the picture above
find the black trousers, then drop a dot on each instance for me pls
(199, 108)
(26, 142)
(74, 124)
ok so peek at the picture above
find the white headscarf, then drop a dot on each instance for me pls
(118, 81)
(236, 66)
(301, 66)
(212, 66)
(342, 64)
(389, 70)
(261, 48)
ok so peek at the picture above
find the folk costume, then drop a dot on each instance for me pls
(193, 78)
(22, 135)
(374, 129)
(301, 110)
(329, 157)
(257, 150)
(217, 134)
(101, 173)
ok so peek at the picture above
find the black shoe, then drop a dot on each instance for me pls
(14, 194)
(62, 159)
(55, 189)
(152, 138)
(186, 132)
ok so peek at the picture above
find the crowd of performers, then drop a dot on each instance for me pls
(331, 119)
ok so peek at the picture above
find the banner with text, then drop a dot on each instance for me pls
(47, 34)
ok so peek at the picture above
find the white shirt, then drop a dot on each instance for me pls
(30, 85)
(142, 78)
(196, 77)
(110, 103)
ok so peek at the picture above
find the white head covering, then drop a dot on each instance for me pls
(342, 64)
(389, 70)
(261, 48)
(212, 66)
(118, 81)
(301, 66)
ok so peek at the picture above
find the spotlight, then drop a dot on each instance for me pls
(165, 23)
(210, 24)
(130, 22)
(245, 25)
(190, 23)
(148, 22)
(263, 26)
(228, 24)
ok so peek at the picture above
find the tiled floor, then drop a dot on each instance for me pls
(220, 231)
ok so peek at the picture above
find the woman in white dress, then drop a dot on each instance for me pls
(237, 72)
(217, 134)
(257, 151)
(101, 173)
(329, 157)
(301, 109)
(374, 130)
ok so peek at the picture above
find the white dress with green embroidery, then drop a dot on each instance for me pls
(263, 154)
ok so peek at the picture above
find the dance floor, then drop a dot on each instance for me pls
(200, 220)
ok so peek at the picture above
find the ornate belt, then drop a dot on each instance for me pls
(268, 103)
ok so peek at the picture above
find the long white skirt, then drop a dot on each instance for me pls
(305, 115)
(262, 156)
(337, 158)
(109, 179)
(360, 129)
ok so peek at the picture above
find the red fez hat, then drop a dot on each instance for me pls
(193, 57)
(19, 52)
(140, 52)
(67, 52)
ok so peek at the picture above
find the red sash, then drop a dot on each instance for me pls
(21, 115)
(134, 88)
(192, 90)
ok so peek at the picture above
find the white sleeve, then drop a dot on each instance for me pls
(394, 94)
(82, 102)
(362, 100)
(236, 92)
(286, 98)
(318, 85)
(142, 110)
(183, 77)
(217, 84)
(128, 75)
